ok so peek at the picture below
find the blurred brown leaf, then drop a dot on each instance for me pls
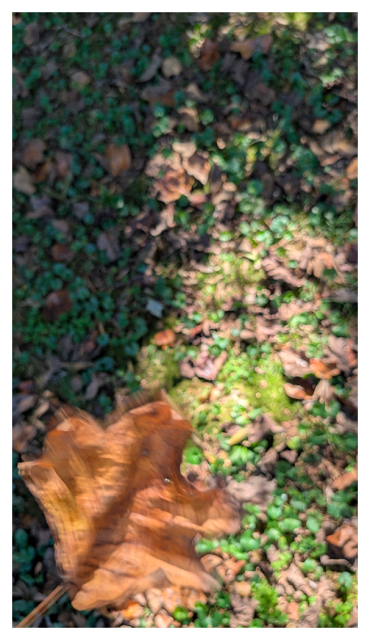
(122, 516)
(62, 253)
(80, 78)
(208, 56)
(352, 169)
(247, 48)
(345, 480)
(276, 270)
(198, 166)
(119, 159)
(322, 370)
(343, 542)
(163, 338)
(295, 391)
(34, 153)
(108, 242)
(174, 184)
(294, 365)
(63, 163)
(57, 303)
(321, 126)
(31, 35)
(22, 181)
(205, 366)
(22, 434)
(171, 67)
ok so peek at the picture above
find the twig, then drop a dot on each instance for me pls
(43, 606)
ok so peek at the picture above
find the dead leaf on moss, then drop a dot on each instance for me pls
(244, 609)
(174, 184)
(287, 311)
(166, 220)
(310, 617)
(171, 67)
(321, 126)
(256, 489)
(162, 620)
(164, 338)
(352, 169)
(205, 366)
(248, 47)
(22, 181)
(323, 370)
(63, 162)
(32, 34)
(155, 600)
(62, 253)
(198, 166)
(296, 392)
(80, 79)
(341, 351)
(185, 149)
(46, 171)
(23, 432)
(119, 159)
(190, 118)
(345, 480)
(34, 153)
(57, 303)
(208, 55)
(152, 69)
(108, 242)
(324, 392)
(163, 93)
(343, 542)
(294, 365)
(276, 270)
(122, 516)
(131, 610)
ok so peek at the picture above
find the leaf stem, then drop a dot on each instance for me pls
(43, 606)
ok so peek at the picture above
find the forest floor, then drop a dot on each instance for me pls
(185, 214)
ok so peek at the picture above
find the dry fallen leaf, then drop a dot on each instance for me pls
(343, 542)
(323, 370)
(63, 162)
(22, 434)
(345, 480)
(80, 79)
(34, 153)
(171, 67)
(190, 118)
(205, 366)
(122, 516)
(321, 126)
(294, 365)
(174, 184)
(119, 159)
(208, 56)
(295, 391)
(248, 47)
(57, 303)
(22, 181)
(62, 253)
(276, 270)
(108, 242)
(352, 169)
(198, 166)
(163, 338)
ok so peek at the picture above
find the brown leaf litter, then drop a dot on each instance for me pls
(205, 366)
(248, 47)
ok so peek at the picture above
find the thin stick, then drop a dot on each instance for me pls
(43, 606)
